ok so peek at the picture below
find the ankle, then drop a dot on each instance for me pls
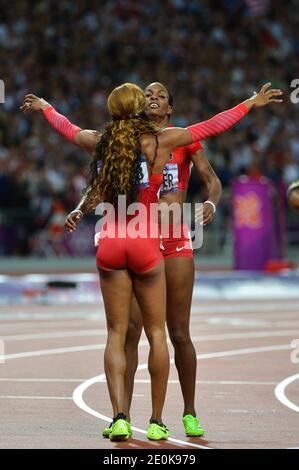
(128, 417)
(188, 412)
(119, 416)
(156, 421)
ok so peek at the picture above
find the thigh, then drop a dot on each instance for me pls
(179, 281)
(150, 290)
(135, 314)
(116, 289)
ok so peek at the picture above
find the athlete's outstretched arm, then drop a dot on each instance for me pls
(83, 138)
(175, 137)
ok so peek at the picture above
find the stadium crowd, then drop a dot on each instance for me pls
(210, 53)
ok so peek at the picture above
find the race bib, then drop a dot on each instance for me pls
(170, 178)
(144, 183)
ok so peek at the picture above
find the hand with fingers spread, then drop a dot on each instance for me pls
(265, 96)
(33, 103)
(72, 219)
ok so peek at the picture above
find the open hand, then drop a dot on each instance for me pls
(266, 95)
(33, 103)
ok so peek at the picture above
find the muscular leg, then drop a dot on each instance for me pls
(117, 292)
(131, 349)
(151, 296)
(179, 279)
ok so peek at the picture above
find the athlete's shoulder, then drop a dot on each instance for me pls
(187, 150)
(88, 139)
(193, 148)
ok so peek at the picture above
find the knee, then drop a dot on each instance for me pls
(133, 333)
(116, 333)
(179, 336)
(156, 336)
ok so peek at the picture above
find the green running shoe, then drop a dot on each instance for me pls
(192, 426)
(107, 431)
(157, 432)
(129, 429)
(119, 430)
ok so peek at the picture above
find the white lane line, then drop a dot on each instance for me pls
(203, 382)
(99, 314)
(253, 334)
(238, 411)
(78, 399)
(20, 397)
(94, 347)
(236, 321)
(280, 347)
(33, 380)
(80, 390)
(137, 381)
(224, 337)
(250, 320)
(49, 352)
(59, 334)
(210, 382)
(47, 324)
(103, 332)
(280, 392)
(197, 308)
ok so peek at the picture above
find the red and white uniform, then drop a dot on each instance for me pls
(176, 174)
(139, 254)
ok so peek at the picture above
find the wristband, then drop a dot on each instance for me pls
(47, 109)
(212, 204)
(81, 213)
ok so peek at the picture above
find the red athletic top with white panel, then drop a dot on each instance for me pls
(177, 169)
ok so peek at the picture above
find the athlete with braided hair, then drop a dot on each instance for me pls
(136, 265)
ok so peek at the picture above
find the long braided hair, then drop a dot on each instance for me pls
(118, 151)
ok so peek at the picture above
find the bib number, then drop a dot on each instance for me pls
(170, 178)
